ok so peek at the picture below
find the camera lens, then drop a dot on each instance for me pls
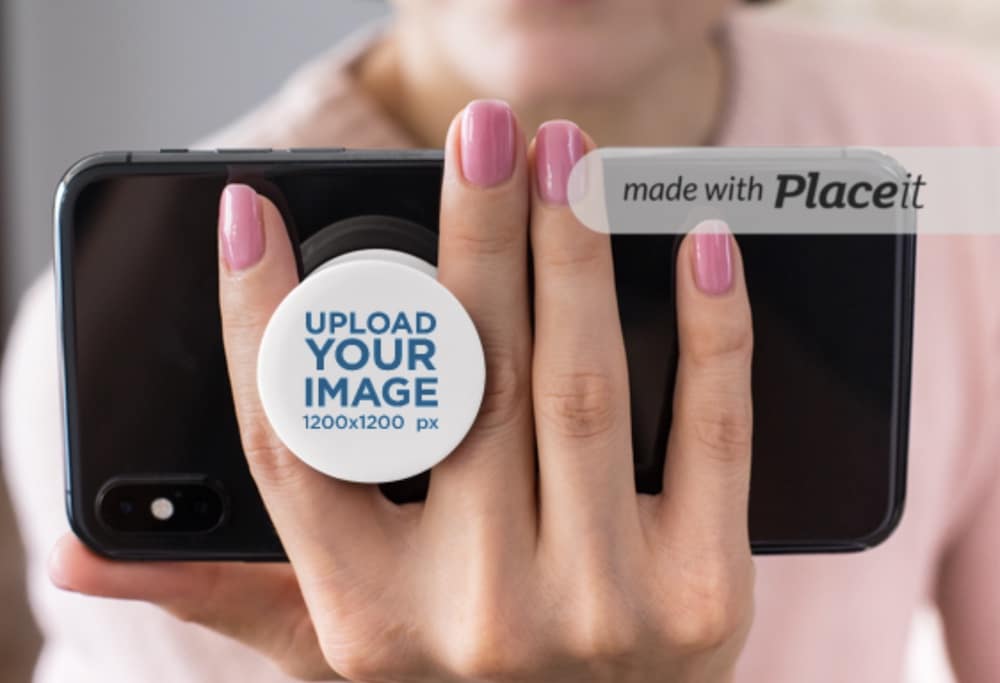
(201, 507)
(162, 509)
(126, 506)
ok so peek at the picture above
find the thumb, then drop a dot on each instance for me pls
(258, 604)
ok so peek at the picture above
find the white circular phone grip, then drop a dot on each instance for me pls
(370, 370)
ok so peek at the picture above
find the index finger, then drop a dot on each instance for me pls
(315, 515)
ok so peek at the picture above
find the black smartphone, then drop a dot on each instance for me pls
(149, 420)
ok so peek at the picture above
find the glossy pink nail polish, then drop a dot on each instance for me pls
(241, 232)
(487, 142)
(558, 146)
(713, 258)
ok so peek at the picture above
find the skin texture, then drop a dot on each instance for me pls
(516, 570)
(567, 575)
(630, 72)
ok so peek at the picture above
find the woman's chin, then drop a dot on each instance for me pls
(528, 70)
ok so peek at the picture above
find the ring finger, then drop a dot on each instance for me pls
(580, 380)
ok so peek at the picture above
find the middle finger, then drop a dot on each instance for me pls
(483, 259)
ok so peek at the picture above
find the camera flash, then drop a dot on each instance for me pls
(162, 509)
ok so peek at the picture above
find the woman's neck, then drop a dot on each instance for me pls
(677, 104)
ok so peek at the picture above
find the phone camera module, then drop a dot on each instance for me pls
(161, 506)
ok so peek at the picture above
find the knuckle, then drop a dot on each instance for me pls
(584, 253)
(298, 657)
(721, 341)
(704, 631)
(367, 654)
(481, 238)
(713, 612)
(357, 664)
(503, 397)
(606, 633)
(357, 639)
(722, 432)
(268, 458)
(489, 646)
(359, 650)
(579, 404)
(486, 655)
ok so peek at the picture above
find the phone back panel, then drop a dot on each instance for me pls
(148, 399)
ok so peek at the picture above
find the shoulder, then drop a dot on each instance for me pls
(817, 85)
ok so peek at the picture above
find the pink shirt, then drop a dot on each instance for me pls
(820, 619)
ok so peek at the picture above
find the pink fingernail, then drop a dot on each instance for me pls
(487, 142)
(240, 229)
(713, 257)
(558, 146)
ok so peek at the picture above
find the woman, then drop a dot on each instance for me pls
(642, 72)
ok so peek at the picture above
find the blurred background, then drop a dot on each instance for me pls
(77, 77)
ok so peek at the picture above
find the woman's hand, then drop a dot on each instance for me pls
(507, 571)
